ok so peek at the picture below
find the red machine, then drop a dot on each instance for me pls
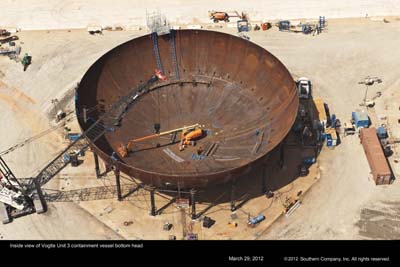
(160, 75)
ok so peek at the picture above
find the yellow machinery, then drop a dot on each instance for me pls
(217, 16)
(188, 137)
(188, 133)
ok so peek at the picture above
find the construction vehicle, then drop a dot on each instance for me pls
(15, 200)
(94, 29)
(11, 191)
(8, 39)
(303, 88)
(368, 103)
(243, 25)
(305, 28)
(371, 102)
(11, 52)
(370, 81)
(284, 25)
(348, 128)
(189, 136)
(4, 32)
(266, 26)
(123, 150)
(11, 196)
(217, 16)
(26, 61)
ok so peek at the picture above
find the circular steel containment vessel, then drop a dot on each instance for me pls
(243, 96)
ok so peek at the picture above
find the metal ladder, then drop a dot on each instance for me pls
(154, 38)
(173, 50)
(322, 22)
(94, 132)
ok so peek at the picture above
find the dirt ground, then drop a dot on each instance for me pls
(343, 203)
(62, 14)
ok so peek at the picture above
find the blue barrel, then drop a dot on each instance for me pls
(308, 160)
(67, 158)
(257, 219)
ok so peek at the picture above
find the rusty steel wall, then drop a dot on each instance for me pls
(243, 95)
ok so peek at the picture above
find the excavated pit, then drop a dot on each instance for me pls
(243, 96)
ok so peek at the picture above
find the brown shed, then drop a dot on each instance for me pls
(376, 159)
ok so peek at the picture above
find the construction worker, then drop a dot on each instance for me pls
(26, 61)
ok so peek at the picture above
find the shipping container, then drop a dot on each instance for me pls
(377, 161)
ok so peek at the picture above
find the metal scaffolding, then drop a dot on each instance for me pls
(157, 22)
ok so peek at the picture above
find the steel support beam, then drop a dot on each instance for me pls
(193, 202)
(233, 187)
(118, 182)
(152, 201)
(263, 181)
(96, 165)
(160, 210)
(281, 155)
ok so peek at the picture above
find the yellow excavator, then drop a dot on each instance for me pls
(189, 133)
(189, 136)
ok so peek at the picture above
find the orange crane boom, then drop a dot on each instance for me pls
(124, 150)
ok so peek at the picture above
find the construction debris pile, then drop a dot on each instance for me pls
(8, 47)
